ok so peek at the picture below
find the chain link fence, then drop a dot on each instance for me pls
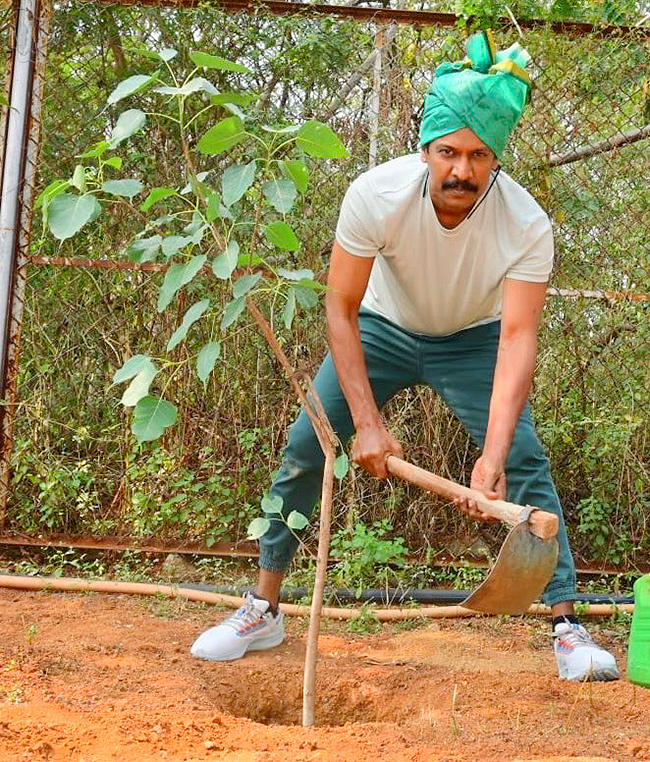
(582, 150)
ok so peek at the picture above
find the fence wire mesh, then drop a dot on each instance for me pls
(76, 467)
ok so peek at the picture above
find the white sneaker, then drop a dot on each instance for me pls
(251, 628)
(578, 657)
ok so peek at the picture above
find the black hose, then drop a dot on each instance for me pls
(392, 596)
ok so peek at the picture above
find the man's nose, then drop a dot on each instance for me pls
(462, 168)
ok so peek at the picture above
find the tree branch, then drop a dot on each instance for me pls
(555, 159)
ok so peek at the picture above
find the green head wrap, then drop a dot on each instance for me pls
(486, 92)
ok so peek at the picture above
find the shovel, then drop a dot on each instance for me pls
(527, 558)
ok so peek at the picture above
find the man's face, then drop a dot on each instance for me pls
(459, 172)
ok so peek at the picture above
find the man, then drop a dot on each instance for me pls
(438, 275)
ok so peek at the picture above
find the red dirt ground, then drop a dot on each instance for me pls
(93, 678)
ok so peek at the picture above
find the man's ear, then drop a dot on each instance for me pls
(424, 153)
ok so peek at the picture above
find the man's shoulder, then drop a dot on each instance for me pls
(519, 202)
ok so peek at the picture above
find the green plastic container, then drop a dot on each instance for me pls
(638, 664)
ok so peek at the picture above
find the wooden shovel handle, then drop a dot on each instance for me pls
(542, 523)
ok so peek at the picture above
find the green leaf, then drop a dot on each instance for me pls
(245, 284)
(207, 359)
(281, 194)
(193, 85)
(127, 188)
(166, 54)
(151, 417)
(235, 110)
(196, 234)
(282, 236)
(172, 244)
(236, 180)
(144, 249)
(307, 297)
(297, 521)
(317, 139)
(272, 504)
(314, 285)
(212, 205)
(131, 367)
(289, 311)
(225, 134)
(190, 317)
(239, 99)
(155, 195)
(200, 178)
(257, 528)
(224, 265)
(114, 161)
(288, 130)
(246, 259)
(176, 277)
(139, 386)
(53, 189)
(128, 123)
(341, 466)
(302, 274)
(68, 213)
(232, 312)
(79, 178)
(97, 150)
(131, 85)
(295, 170)
(215, 62)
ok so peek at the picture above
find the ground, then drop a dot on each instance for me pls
(95, 677)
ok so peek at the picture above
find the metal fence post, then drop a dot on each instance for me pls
(20, 151)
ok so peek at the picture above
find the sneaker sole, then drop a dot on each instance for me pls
(602, 676)
(262, 645)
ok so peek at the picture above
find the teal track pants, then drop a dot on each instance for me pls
(460, 369)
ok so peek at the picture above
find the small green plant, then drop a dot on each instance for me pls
(366, 623)
(12, 694)
(272, 506)
(165, 606)
(367, 556)
(31, 632)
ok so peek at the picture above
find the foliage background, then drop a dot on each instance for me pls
(76, 466)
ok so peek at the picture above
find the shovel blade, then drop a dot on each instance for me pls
(522, 570)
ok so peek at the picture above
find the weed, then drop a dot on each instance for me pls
(406, 625)
(367, 556)
(12, 695)
(366, 623)
(456, 728)
(30, 635)
(165, 606)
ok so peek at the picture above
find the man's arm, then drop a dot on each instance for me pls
(523, 303)
(347, 281)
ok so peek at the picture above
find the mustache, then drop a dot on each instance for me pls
(459, 185)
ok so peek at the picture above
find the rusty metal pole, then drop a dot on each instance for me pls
(375, 102)
(21, 141)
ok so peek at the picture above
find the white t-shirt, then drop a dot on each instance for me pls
(429, 279)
